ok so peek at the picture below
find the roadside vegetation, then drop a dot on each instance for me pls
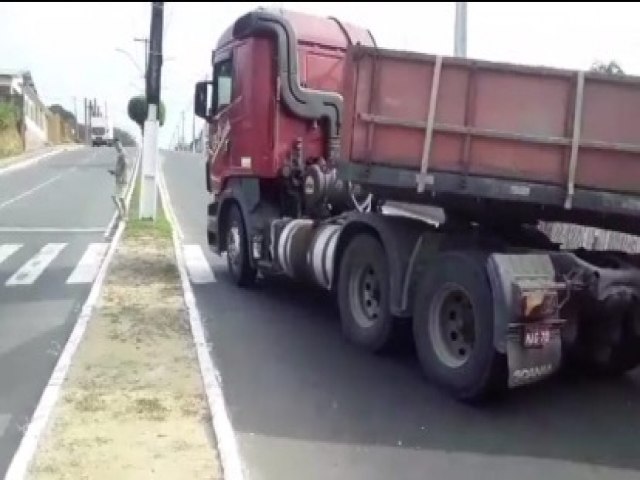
(10, 141)
(133, 405)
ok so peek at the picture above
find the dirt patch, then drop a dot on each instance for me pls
(133, 405)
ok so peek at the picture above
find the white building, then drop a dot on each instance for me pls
(18, 88)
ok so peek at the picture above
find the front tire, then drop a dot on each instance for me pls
(238, 262)
(453, 328)
(363, 294)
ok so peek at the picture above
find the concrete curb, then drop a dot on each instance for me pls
(221, 423)
(32, 161)
(23, 457)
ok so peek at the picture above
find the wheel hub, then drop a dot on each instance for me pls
(233, 245)
(452, 326)
(365, 295)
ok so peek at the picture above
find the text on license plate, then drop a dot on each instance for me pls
(536, 336)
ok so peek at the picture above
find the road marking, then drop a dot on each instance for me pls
(225, 435)
(31, 270)
(5, 418)
(20, 164)
(89, 264)
(197, 265)
(50, 230)
(24, 455)
(33, 190)
(8, 249)
(168, 206)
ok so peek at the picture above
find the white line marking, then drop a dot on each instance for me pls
(89, 264)
(33, 190)
(8, 249)
(31, 270)
(50, 230)
(20, 164)
(5, 418)
(29, 443)
(225, 436)
(168, 207)
(197, 265)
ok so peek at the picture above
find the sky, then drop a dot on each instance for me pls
(76, 50)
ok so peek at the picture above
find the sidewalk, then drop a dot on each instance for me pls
(133, 403)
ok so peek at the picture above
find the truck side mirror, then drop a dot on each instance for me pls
(200, 100)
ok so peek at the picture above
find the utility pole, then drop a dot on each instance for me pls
(460, 35)
(86, 121)
(148, 186)
(182, 140)
(193, 130)
(75, 115)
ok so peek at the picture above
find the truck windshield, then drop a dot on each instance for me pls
(98, 130)
(223, 84)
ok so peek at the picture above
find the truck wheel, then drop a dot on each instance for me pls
(453, 328)
(363, 294)
(237, 255)
(602, 349)
(617, 351)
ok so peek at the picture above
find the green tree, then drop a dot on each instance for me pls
(612, 67)
(125, 137)
(66, 115)
(138, 111)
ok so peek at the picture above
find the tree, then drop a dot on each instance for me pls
(611, 68)
(66, 115)
(138, 111)
(125, 137)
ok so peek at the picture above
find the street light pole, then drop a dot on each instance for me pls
(148, 184)
(460, 38)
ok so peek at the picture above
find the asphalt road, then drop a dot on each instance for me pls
(305, 404)
(53, 216)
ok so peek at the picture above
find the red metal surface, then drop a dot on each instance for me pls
(261, 129)
(492, 119)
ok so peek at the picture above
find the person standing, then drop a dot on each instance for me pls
(120, 174)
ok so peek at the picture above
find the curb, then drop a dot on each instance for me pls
(212, 382)
(32, 161)
(23, 456)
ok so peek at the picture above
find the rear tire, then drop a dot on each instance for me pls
(363, 294)
(238, 262)
(453, 328)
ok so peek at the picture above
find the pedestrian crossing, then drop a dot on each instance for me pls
(29, 268)
(20, 266)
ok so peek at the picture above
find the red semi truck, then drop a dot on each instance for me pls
(314, 130)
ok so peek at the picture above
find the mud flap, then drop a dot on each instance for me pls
(508, 272)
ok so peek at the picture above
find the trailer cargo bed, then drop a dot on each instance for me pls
(483, 138)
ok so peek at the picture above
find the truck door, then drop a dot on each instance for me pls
(223, 113)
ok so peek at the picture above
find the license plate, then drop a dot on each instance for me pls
(536, 337)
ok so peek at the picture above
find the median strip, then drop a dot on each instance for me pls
(133, 403)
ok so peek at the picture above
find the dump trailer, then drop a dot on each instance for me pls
(326, 155)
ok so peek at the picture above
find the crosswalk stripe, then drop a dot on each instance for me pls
(8, 249)
(197, 265)
(87, 268)
(31, 270)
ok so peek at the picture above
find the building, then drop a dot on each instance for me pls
(18, 88)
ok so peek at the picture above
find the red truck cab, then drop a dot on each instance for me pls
(259, 119)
